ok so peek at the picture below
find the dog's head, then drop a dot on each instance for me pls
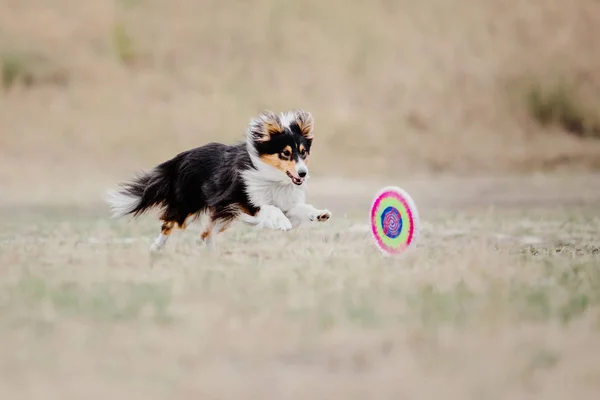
(282, 143)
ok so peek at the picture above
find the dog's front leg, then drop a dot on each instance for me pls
(305, 213)
(269, 217)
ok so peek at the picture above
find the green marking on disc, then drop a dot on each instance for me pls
(402, 238)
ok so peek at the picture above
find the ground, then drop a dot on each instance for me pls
(500, 299)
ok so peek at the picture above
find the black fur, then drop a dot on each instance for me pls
(203, 179)
(292, 137)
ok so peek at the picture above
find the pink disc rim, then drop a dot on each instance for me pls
(413, 216)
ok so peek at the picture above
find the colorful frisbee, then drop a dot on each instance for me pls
(395, 221)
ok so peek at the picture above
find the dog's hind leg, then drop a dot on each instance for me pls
(161, 239)
(214, 228)
(218, 223)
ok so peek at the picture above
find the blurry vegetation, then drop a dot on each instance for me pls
(103, 301)
(123, 43)
(422, 84)
(561, 106)
(128, 4)
(122, 40)
(29, 70)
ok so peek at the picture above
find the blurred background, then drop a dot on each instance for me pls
(94, 90)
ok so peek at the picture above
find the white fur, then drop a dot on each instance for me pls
(271, 217)
(273, 194)
(211, 243)
(287, 118)
(211, 239)
(267, 185)
(301, 167)
(282, 204)
(120, 203)
(305, 213)
(159, 243)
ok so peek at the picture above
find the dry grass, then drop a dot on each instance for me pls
(559, 105)
(426, 82)
(493, 303)
(29, 70)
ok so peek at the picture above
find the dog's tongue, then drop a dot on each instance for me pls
(297, 180)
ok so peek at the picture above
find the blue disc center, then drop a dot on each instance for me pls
(391, 222)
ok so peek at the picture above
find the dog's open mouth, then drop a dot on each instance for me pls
(295, 180)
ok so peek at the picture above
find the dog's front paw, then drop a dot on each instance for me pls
(320, 215)
(273, 218)
(324, 216)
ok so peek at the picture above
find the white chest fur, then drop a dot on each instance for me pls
(263, 191)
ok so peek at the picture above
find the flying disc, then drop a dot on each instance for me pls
(395, 221)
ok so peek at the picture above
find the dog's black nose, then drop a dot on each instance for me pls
(302, 173)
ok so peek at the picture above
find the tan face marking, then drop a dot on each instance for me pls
(281, 161)
(286, 152)
(305, 156)
(303, 153)
(282, 165)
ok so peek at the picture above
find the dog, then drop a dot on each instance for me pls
(260, 181)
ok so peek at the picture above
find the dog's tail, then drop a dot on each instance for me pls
(139, 195)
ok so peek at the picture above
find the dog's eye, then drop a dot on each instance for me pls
(286, 153)
(303, 152)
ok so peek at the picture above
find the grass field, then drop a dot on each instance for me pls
(499, 300)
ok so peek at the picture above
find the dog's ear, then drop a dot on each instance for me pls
(265, 125)
(306, 123)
